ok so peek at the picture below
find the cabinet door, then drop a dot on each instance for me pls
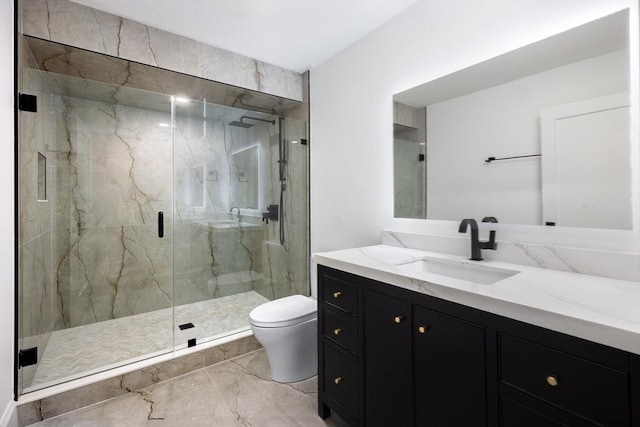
(450, 366)
(388, 366)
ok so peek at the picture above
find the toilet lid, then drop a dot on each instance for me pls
(284, 312)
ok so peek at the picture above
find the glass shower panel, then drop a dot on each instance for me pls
(99, 165)
(35, 231)
(228, 259)
(218, 229)
(104, 275)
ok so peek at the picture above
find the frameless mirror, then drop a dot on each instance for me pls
(245, 173)
(537, 136)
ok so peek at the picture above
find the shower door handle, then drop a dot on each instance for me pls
(161, 224)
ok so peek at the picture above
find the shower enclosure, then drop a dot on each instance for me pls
(141, 226)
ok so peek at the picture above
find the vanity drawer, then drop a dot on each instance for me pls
(341, 331)
(340, 294)
(576, 385)
(341, 380)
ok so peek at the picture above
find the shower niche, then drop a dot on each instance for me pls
(98, 287)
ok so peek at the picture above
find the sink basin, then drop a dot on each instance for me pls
(482, 274)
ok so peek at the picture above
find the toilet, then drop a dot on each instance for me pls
(287, 329)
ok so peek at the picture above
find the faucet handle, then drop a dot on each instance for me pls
(491, 244)
(490, 219)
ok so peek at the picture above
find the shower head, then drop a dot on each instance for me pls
(242, 124)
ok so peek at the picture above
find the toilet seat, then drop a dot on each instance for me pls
(286, 311)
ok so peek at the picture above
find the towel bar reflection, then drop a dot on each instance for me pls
(495, 159)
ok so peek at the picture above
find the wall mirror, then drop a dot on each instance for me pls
(245, 173)
(537, 136)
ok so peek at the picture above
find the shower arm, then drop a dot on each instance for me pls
(273, 122)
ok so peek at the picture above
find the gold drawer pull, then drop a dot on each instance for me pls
(337, 294)
(337, 331)
(337, 380)
(423, 329)
(398, 319)
(552, 380)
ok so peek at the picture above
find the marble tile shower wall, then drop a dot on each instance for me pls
(76, 25)
(288, 263)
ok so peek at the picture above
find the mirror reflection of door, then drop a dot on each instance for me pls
(585, 163)
(245, 182)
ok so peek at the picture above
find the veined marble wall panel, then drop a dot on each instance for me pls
(286, 265)
(220, 262)
(116, 272)
(77, 25)
(113, 174)
(296, 208)
(68, 62)
(200, 165)
(209, 254)
(616, 265)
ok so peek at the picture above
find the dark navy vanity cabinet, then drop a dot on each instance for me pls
(389, 356)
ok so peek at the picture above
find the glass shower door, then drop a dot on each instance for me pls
(96, 273)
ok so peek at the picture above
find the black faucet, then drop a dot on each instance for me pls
(476, 244)
(476, 253)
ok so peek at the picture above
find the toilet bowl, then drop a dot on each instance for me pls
(287, 329)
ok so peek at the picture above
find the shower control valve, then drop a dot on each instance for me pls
(270, 214)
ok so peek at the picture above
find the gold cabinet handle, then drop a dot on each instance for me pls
(337, 294)
(337, 331)
(337, 380)
(398, 319)
(552, 380)
(423, 329)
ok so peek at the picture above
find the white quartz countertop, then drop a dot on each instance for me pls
(598, 309)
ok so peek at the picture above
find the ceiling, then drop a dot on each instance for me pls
(294, 34)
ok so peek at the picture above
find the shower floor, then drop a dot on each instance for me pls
(76, 352)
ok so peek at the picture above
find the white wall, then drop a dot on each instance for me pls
(351, 111)
(6, 213)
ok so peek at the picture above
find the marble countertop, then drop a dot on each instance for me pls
(598, 309)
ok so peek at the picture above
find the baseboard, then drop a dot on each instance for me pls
(10, 415)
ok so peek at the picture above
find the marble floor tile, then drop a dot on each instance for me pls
(236, 392)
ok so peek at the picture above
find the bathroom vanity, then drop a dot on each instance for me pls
(399, 345)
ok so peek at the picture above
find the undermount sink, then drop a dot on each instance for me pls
(482, 274)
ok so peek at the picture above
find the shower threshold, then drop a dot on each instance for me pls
(85, 350)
